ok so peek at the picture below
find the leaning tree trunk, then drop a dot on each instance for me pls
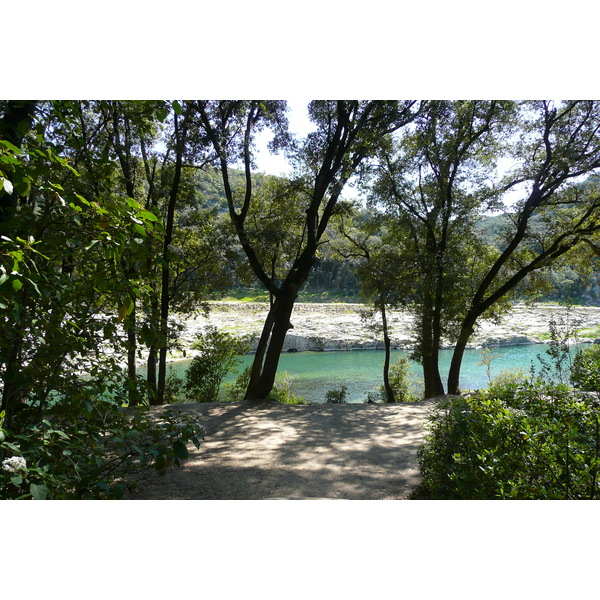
(266, 359)
(457, 356)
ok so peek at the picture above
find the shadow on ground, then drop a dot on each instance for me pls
(271, 450)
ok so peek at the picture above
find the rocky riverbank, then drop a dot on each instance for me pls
(323, 327)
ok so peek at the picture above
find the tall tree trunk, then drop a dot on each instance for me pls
(389, 392)
(152, 351)
(131, 353)
(430, 358)
(166, 272)
(457, 356)
(270, 345)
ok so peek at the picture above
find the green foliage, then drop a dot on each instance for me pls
(237, 390)
(401, 382)
(585, 373)
(509, 380)
(337, 396)
(558, 365)
(486, 359)
(63, 288)
(281, 392)
(173, 387)
(532, 440)
(592, 332)
(282, 389)
(93, 449)
(219, 353)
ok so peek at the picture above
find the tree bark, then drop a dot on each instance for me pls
(270, 346)
(131, 352)
(389, 392)
(457, 356)
(430, 358)
(166, 272)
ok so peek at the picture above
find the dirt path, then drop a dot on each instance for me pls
(271, 450)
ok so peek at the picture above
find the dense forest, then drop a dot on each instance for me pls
(117, 215)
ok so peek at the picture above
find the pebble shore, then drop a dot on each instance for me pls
(326, 327)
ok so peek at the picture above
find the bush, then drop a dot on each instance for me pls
(525, 441)
(173, 387)
(237, 390)
(586, 369)
(282, 389)
(337, 396)
(219, 353)
(93, 449)
(281, 392)
(400, 381)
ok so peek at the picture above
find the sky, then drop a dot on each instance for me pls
(300, 124)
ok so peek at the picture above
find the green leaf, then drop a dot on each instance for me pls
(139, 229)
(180, 450)
(12, 447)
(23, 186)
(10, 146)
(147, 215)
(39, 492)
(161, 462)
(117, 490)
(17, 284)
(177, 108)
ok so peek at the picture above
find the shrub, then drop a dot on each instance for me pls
(586, 369)
(173, 387)
(93, 449)
(237, 390)
(282, 389)
(219, 353)
(337, 396)
(532, 440)
(281, 392)
(400, 381)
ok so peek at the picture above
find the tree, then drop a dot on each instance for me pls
(559, 143)
(348, 133)
(143, 150)
(434, 181)
(384, 272)
(60, 263)
(103, 141)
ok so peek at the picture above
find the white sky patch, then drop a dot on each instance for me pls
(300, 126)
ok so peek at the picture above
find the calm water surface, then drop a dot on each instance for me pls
(315, 373)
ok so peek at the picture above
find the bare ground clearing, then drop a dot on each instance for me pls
(270, 450)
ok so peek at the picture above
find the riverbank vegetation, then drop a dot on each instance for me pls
(116, 215)
(526, 436)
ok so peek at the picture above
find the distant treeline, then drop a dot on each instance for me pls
(334, 277)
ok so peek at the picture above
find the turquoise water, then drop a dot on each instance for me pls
(315, 373)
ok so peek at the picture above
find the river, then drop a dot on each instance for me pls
(315, 373)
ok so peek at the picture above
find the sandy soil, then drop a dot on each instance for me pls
(276, 451)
